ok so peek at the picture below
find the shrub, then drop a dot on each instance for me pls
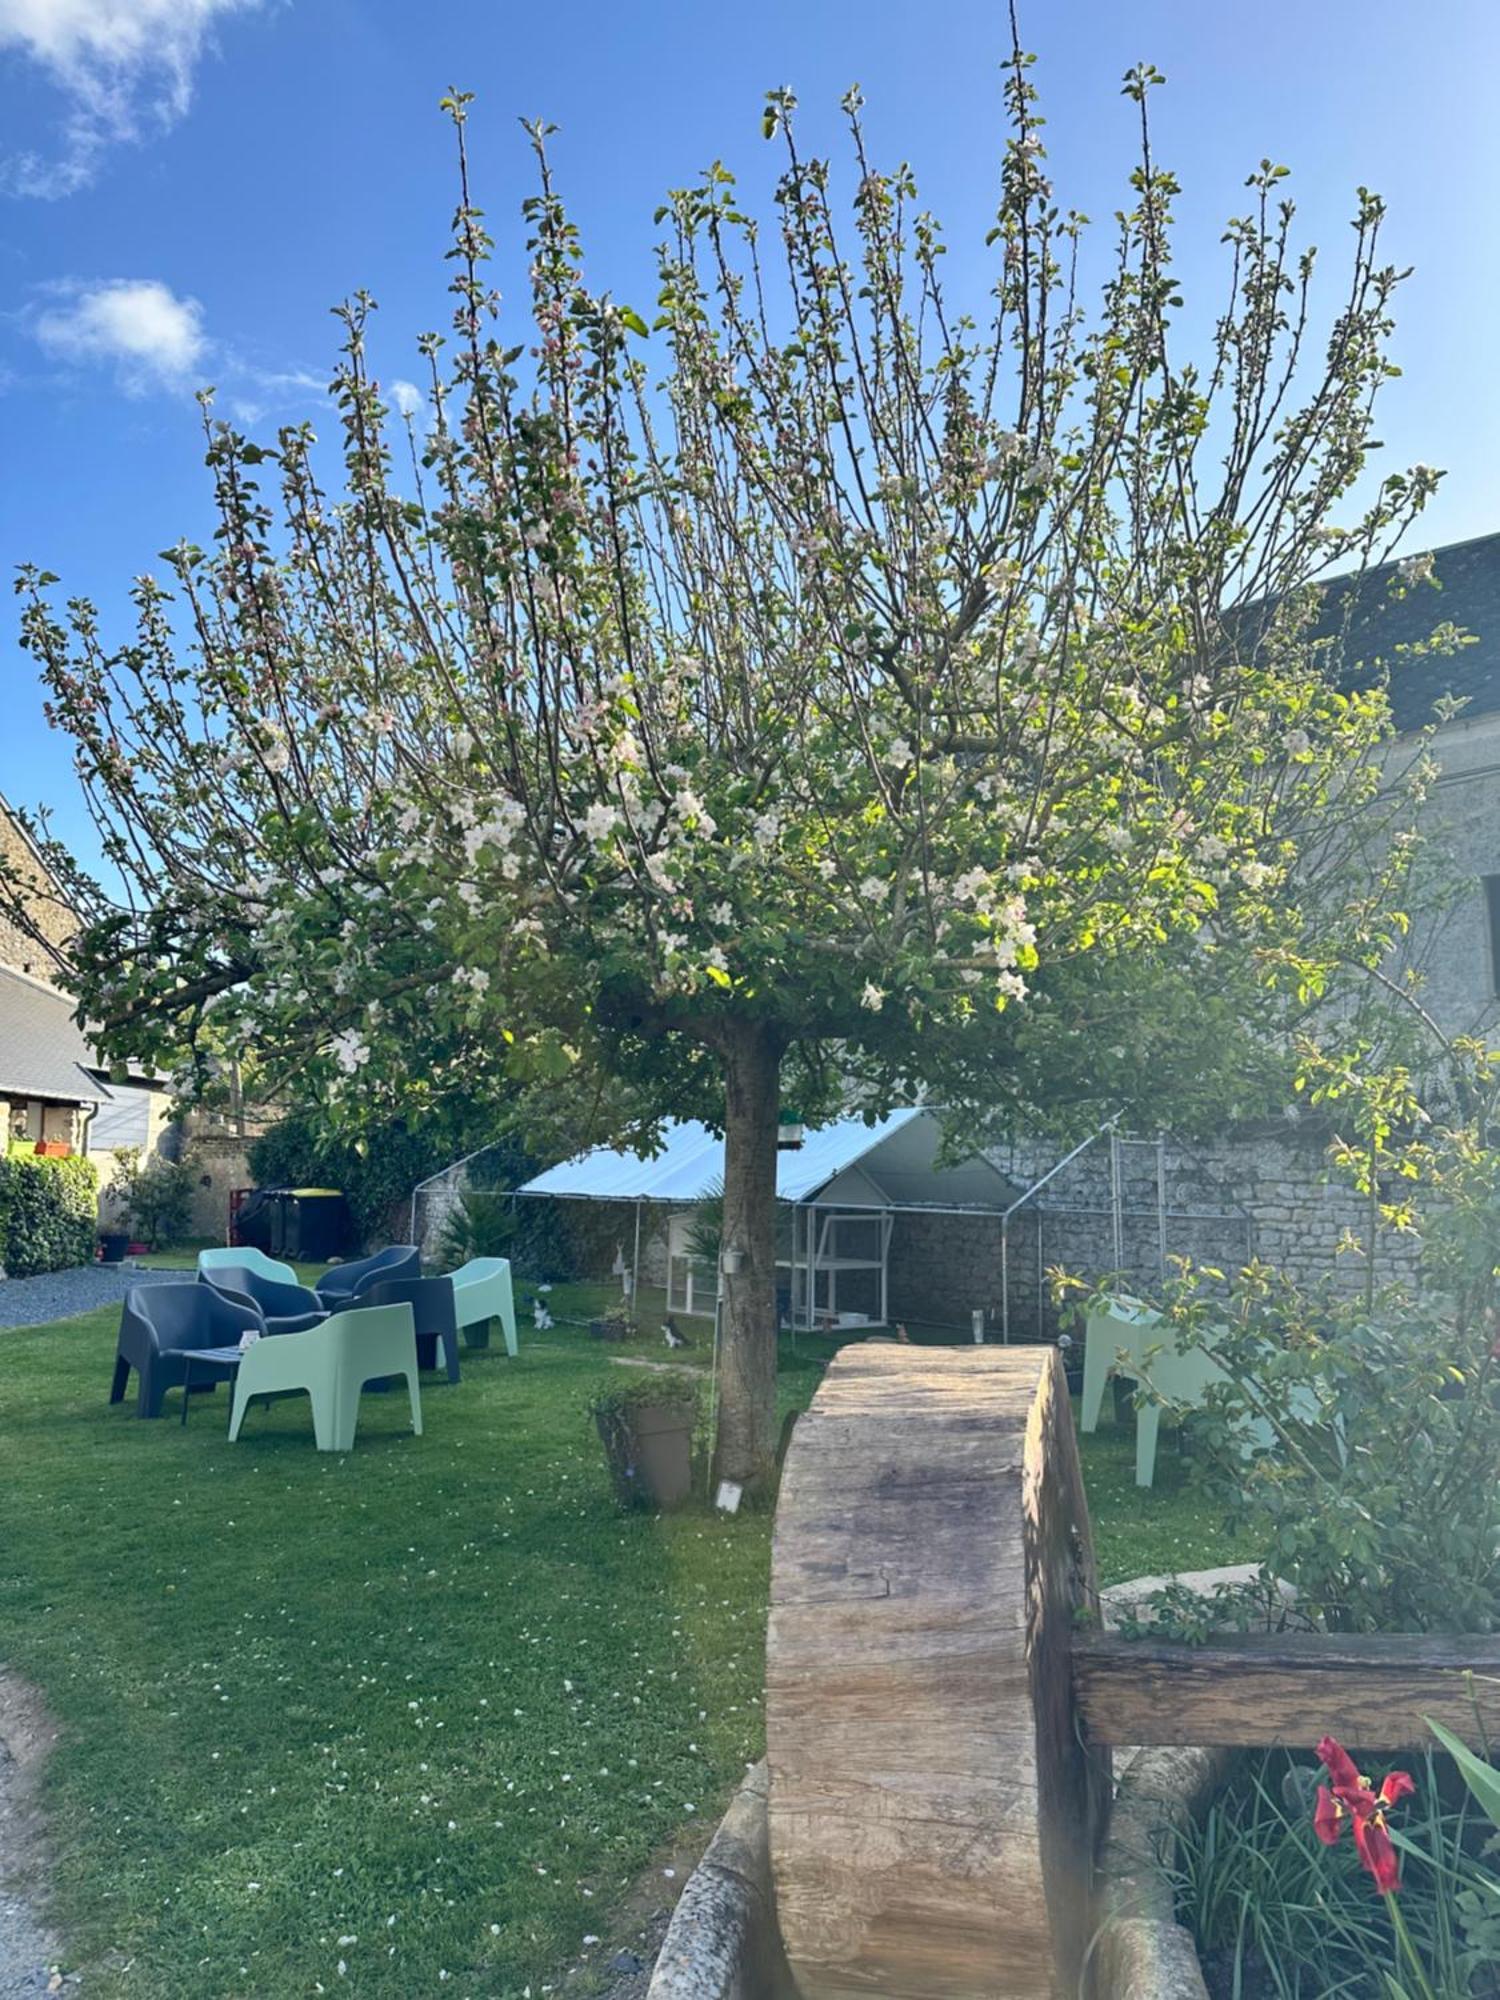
(379, 1170)
(1356, 1439)
(156, 1198)
(1353, 1449)
(48, 1213)
(481, 1223)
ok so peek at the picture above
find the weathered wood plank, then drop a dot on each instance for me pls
(1288, 1689)
(933, 1811)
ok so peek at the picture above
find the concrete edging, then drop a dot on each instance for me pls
(722, 1942)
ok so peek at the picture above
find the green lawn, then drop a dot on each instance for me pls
(427, 1709)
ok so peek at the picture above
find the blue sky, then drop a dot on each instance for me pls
(186, 187)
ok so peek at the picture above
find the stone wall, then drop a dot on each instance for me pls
(52, 917)
(218, 1163)
(1270, 1195)
(557, 1240)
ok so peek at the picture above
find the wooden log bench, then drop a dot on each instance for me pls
(939, 1712)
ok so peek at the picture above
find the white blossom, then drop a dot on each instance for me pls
(350, 1050)
(872, 997)
(600, 822)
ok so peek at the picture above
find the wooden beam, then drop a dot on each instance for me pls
(933, 1811)
(1267, 1689)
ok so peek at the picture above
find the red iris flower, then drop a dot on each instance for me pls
(1351, 1798)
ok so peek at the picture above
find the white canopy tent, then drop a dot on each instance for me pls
(840, 1191)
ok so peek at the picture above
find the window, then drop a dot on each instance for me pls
(1492, 912)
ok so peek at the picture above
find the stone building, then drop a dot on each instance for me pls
(49, 1092)
(53, 1089)
(1268, 1191)
(51, 922)
(1457, 950)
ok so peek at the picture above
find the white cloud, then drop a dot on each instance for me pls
(138, 325)
(406, 396)
(124, 67)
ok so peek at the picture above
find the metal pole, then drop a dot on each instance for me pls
(635, 1266)
(1115, 1199)
(1040, 1272)
(713, 1396)
(1005, 1279)
(1161, 1206)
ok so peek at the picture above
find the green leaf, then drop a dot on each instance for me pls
(1482, 1779)
(634, 321)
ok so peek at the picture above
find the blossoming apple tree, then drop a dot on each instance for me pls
(818, 687)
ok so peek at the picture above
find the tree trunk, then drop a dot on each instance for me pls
(747, 1354)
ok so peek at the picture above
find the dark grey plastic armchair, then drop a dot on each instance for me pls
(342, 1284)
(281, 1308)
(160, 1325)
(434, 1312)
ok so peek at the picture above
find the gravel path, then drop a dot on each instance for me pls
(28, 1953)
(60, 1294)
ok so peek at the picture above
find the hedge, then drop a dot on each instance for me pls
(48, 1213)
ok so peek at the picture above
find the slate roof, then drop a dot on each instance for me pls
(43, 1052)
(1393, 634)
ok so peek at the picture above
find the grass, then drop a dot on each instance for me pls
(427, 1709)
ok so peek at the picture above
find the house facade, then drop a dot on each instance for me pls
(53, 1090)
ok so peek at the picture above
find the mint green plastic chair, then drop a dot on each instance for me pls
(332, 1362)
(1127, 1338)
(246, 1259)
(1117, 1332)
(482, 1292)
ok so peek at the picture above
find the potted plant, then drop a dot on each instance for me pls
(113, 1244)
(645, 1422)
(612, 1326)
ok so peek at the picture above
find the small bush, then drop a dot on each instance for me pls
(48, 1213)
(481, 1223)
(157, 1198)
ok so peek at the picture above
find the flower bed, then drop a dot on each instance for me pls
(1300, 1882)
